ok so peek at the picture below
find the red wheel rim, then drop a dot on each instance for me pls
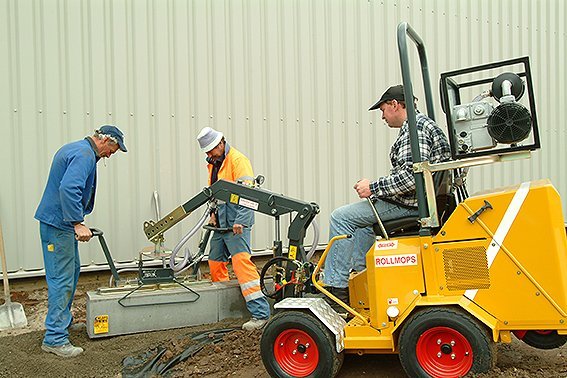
(296, 352)
(444, 352)
(521, 334)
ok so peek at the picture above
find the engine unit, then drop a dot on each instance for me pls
(496, 121)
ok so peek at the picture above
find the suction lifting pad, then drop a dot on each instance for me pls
(517, 85)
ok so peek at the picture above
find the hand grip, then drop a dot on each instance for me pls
(484, 207)
(222, 230)
(96, 232)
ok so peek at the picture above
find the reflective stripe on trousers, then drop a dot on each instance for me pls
(247, 275)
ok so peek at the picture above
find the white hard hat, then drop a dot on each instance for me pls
(209, 138)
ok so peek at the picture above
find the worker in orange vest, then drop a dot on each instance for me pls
(227, 163)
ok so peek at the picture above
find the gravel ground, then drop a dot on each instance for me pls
(236, 355)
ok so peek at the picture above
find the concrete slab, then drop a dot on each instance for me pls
(167, 306)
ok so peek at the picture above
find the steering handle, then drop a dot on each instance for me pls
(221, 230)
(96, 232)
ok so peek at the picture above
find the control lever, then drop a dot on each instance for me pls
(221, 230)
(96, 232)
(484, 207)
(106, 251)
(384, 232)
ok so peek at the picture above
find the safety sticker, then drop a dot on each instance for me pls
(392, 301)
(100, 324)
(386, 244)
(292, 252)
(396, 260)
(249, 204)
(234, 198)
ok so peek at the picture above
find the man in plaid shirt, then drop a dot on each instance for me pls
(393, 195)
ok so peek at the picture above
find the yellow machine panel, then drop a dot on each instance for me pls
(511, 253)
(358, 290)
(395, 268)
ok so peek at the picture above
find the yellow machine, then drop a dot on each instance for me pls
(442, 296)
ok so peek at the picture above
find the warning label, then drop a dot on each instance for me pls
(385, 244)
(393, 301)
(100, 324)
(292, 252)
(247, 203)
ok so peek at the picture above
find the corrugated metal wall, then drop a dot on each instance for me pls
(288, 82)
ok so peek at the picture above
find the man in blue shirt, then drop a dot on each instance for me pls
(69, 195)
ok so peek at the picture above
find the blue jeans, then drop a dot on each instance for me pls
(350, 254)
(225, 245)
(62, 268)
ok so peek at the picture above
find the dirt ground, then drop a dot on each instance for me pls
(236, 355)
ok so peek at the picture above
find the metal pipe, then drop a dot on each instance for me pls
(404, 30)
(185, 239)
(320, 287)
(382, 228)
(156, 204)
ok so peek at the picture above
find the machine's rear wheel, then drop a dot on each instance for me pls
(445, 342)
(296, 344)
(542, 339)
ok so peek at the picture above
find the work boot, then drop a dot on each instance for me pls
(254, 323)
(66, 350)
(342, 294)
(77, 326)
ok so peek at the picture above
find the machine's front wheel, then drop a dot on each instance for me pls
(296, 344)
(445, 342)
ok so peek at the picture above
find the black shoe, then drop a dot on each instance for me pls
(342, 294)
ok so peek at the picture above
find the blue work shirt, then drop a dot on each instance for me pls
(70, 191)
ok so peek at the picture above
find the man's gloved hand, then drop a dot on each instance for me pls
(82, 233)
(362, 187)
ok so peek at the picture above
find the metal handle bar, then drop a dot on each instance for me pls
(96, 232)
(319, 285)
(404, 30)
(106, 251)
(382, 228)
(221, 230)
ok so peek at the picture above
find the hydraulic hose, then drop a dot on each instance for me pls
(315, 243)
(119, 271)
(189, 235)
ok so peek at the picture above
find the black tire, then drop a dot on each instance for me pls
(291, 331)
(445, 342)
(544, 339)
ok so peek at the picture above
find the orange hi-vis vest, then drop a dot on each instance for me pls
(235, 166)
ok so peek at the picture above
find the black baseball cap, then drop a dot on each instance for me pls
(395, 92)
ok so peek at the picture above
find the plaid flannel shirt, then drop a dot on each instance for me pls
(399, 185)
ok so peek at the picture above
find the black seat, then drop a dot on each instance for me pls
(405, 226)
(446, 204)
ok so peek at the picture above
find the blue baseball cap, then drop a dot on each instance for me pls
(115, 133)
